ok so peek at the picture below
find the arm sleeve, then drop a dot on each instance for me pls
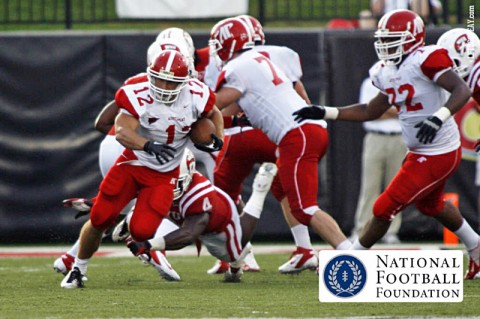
(121, 99)
(436, 64)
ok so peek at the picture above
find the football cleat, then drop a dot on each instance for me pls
(220, 267)
(250, 264)
(74, 279)
(300, 260)
(161, 264)
(264, 177)
(63, 264)
(473, 262)
(120, 232)
(233, 275)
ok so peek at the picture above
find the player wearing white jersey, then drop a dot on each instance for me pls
(266, 95)
(245, 146)
(412, 77)
(153, 123)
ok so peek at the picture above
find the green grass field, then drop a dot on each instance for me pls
(123, 287)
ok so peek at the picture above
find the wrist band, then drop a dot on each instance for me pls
(331, 113)
(443, 113)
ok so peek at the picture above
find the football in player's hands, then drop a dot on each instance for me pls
(202, 130)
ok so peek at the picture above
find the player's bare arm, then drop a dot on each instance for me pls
(226, 96)
(125, 132)
(232, 109)
(365, 112)
(355, 112)
(106, 118)
(300, 89)
(217, 118)
(460, 93)
(191, 229)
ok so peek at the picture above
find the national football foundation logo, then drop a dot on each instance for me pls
(345, 276)
(390, 276)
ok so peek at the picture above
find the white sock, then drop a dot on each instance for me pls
(301, 236)
(467, 235)
(254, 206)
(344, 245)
(81, 264)
(74, 249)
(357, 246)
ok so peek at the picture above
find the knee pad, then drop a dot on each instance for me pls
(102, 215)
(386, 207)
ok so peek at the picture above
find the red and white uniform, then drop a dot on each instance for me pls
(269, 100)
(110, 149)
(412, 89)
(473, 81)
(167, 124)
(246, 146)
(223, 234)
(139, 174)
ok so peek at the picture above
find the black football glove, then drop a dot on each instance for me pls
(428, 129)
(241, 120)
(477, 147)
(138, 248)
(216, 145)
(313, 112)
(162, 152)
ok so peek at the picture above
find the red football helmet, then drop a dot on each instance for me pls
(256, 26)
(399, 33)
(170, 66)
(229, 36)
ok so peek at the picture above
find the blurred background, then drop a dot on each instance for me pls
(62, 60)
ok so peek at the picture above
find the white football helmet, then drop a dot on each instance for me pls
(187, 168)
(463, 46)
(178, 34)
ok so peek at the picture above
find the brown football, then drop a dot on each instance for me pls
(201, 131)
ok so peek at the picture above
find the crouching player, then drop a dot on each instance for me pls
(206, 213)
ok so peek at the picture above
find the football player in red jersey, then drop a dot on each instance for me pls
(152, 127)
(207, 214)
(413, 77)
(463, 46)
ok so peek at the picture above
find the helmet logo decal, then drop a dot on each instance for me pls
(417, 26)
(460, 43)
(225, 33)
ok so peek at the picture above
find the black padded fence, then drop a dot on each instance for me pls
(53, 85)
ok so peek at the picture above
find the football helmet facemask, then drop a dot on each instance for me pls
(463, 47)
(187, 168)
(170, 66)
(399, 33)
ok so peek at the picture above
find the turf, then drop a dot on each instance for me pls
(124, 288)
